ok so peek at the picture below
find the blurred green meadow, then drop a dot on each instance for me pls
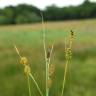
(81, 75)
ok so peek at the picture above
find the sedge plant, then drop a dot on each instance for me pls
(27, 71)
(68, 55)
(49, 67)
(47, 58)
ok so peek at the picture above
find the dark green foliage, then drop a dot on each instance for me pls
(19, 14)
(27, 18)
(29, 14)
(85, 10)
(4, 20)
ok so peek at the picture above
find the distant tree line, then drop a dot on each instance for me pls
(29, 14)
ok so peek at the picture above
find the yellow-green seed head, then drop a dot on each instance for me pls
(51, 69)
(27, 70)
(68, 53)
(49, 82)
(24, 61)
(72, 34)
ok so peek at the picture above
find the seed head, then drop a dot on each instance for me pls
(48, 54)
(27, 70)
(51, 69)
(49, 82)
(71, 38)
(72, 34)
(68, 53)
(24, 61)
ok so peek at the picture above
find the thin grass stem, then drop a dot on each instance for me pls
(17, 50)
(44, 45)
(29, 85)
(36, 84)
(64, 79)
(68, 53)
(46, 61)
(65, 72)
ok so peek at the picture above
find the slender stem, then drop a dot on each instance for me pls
(36, 84)
(66, 65)
(17, 50)
(44, 40)
(64, 79)
(65, 72)
(29, 86)
(46, 61)
(47, 71)
(47, 78)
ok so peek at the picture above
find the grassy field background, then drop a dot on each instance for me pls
(81, 76)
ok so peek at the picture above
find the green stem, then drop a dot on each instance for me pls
(44, 44)
(36, 84)
(29, 86)
(64, 79)
(47, 77)
(47, 72)
(46, 61)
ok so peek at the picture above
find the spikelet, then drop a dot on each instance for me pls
(49, 52)
(51, 69)
(68, 53)
(49, 82)
(24, 61)
(27, 70)
(72, 34)
(71, 38)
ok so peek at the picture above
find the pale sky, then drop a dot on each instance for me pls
(41, 3)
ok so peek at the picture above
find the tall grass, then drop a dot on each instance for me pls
(49, 67)
(68, 54)
(81, 78)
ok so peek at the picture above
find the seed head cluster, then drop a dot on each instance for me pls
(51, 67)
(24, 62)
(68, 50)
